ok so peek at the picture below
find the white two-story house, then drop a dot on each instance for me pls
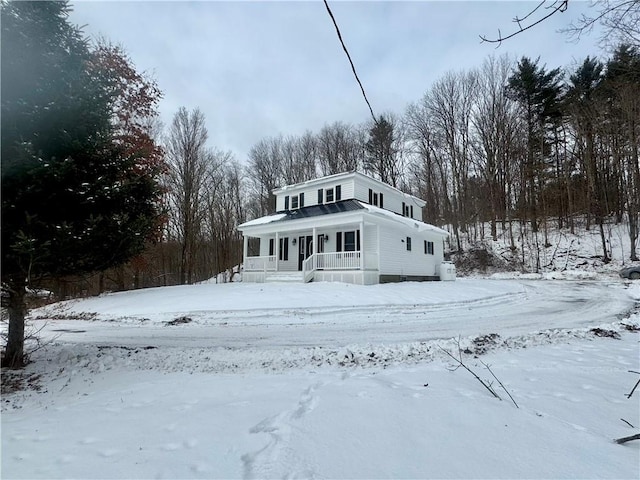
(346, 227)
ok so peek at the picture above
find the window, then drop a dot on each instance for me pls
(338, 192)
(294, 202)
(286, 202)
(329, 194)
(428, 248)
(272, 243)
(381, 200)
(284, 249)
(320, 196)
(406, 211)
(351, 241)
(403, 209)
(302, 200)
(408, 244)
(373, 198)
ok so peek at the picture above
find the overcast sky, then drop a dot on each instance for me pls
(260, 69)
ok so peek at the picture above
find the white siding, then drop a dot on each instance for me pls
(370, 246)
(354, 186)
(397, 260)
(311, 193)
(393, 199)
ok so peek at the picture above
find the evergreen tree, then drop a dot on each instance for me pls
(76, 198)
(621, 88)
(538, 92)
(380, 151)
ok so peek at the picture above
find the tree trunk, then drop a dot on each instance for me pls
(17, 308)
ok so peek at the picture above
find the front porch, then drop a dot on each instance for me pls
(347, 266)
(345, 253)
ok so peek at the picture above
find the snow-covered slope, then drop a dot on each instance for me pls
(559, 253)
(331, 381)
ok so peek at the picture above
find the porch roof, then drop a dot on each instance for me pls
(306, 212)
(324, 209)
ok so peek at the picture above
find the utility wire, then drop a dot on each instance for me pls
(353, 68)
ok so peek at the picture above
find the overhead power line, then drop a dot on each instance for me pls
(353, 68)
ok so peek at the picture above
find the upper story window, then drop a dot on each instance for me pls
(376, 198)
(329, 194)
(297, 201)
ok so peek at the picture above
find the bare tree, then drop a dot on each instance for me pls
(188, 161)
(264, 171)
(450, 104)
(340, 148)
(425, 166)
(496, 128)
(225, 211)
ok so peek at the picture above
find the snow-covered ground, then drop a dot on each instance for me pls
(329, 380)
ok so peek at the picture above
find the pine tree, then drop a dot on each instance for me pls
(380, 159)
(538, 92)
(76, 197)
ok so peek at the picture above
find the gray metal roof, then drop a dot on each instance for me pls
(318, 210)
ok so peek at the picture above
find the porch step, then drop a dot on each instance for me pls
(291, 277)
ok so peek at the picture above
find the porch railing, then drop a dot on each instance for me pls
(266, 263)
(335, 261)
(330, 261)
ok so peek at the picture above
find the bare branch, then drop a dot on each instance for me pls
(627, 423)
(622, 440)
(633, 389)
(555, 7)
(499, 382)
(461, 364)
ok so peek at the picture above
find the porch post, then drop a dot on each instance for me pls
(315, 247)
(245, 248)
(277, 249)
(361, 244)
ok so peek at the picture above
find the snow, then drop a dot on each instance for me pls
(328, 380)
(263, 220)
(410, 222)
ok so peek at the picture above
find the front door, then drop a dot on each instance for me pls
(305, 249)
